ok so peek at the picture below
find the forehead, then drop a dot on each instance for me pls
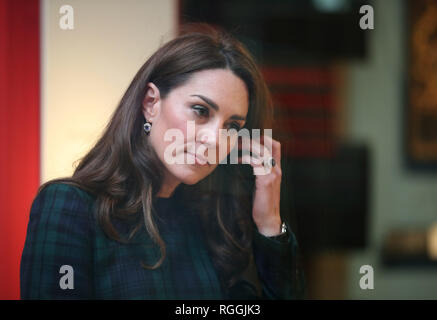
(222, 86)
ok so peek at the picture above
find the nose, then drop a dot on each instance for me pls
(207, 136)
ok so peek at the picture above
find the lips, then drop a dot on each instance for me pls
(198, 159)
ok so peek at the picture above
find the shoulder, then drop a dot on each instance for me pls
(63, 196)
(62, 200)
(60, 232)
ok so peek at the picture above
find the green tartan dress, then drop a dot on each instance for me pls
(63, 231)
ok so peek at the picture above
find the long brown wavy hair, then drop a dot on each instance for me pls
(124, 173)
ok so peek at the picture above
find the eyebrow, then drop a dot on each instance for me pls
(214, 105)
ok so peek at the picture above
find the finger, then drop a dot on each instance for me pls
(256, 149)
(276, 149)
(259, 167)
(247, 159)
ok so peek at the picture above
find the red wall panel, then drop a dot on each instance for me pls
(19, 132)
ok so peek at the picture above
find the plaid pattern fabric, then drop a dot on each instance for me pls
(62, 231)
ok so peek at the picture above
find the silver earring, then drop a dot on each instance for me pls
(147, 127)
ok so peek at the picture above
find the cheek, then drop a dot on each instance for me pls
(174, 117)
(225, 148)
(171, 117)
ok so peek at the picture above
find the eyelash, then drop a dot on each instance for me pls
(198, 109)
(203, 112)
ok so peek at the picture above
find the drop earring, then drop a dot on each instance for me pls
(147, 127)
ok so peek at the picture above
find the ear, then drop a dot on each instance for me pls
(151, 102)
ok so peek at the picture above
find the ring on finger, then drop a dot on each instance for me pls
(271, 162)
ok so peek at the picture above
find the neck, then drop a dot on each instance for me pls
(168, 187)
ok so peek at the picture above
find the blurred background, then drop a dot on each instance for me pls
(355, 106)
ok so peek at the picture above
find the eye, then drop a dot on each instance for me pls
(235, 125)
(200, 110)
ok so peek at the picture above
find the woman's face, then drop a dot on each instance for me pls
(210, 100)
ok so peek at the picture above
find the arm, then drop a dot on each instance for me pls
(275, 259)
(59, 233)
(277, 264)
(274, 272)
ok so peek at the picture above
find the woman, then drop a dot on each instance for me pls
(133, 224)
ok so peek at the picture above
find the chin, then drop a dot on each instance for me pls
(190, 175)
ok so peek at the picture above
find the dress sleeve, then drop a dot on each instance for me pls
(59, 234)
(278, 267)
(274, 271)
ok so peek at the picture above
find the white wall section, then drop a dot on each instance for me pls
(85, 71)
